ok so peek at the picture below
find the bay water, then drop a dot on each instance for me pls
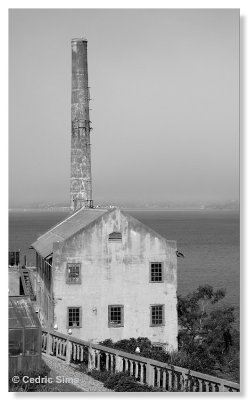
(209, 240)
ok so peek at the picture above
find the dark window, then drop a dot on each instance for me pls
(31, 345)
(157, 315)
(74, 317)
(14, 258)
(73, 273)
(115, 237)
(116, 316)
(15, 342)
(156, 272)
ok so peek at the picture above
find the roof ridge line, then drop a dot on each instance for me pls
(89, 223)
(55, 226)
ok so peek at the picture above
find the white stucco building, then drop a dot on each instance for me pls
(103, 274)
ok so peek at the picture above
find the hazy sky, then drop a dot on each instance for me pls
(165, 110)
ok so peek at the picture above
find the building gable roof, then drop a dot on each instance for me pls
(79, 221)
(66, 228)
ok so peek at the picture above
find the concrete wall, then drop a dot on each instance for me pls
(80, 187)
(116, 274)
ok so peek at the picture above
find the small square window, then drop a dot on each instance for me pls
(157, 315)
(74, 317)
(115, 316)
(156, 272)
(73, 273)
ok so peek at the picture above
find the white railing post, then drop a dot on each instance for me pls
(136, 369)
(141, 373)
(200, 385)
(91, 363)
(118, 363)
(49, 343)
(112, 363)
(149, 374)
(98, 359)
(169, 379)
(68, 351)
(131, 368)
(82, 353)
(107, 361)
(158, 377)
(207, 386)
(164, 378)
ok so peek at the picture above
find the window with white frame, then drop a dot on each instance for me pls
(156, 272)
(74, 317)
(157, 315)
(115, 316)
(73, 273)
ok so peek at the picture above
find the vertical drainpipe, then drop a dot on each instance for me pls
(81, 182)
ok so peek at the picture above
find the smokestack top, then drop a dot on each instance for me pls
(77, 40)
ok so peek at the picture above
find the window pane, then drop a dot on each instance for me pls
(157, 315)
(15, 342)
(156, 272)
(74, 317)
(73, 272)
(31, 341)
(116, 315)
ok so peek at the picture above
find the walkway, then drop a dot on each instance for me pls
(62, 372)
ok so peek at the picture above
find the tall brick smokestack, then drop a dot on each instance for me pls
(81, 184)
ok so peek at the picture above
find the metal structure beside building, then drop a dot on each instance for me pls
(24, 336)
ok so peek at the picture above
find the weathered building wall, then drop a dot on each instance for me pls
(44, 292)
(117, 274)
(81, 186)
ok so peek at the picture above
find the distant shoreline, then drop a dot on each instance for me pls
(63, 209)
